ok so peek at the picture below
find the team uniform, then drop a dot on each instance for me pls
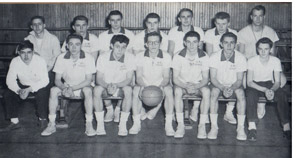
(213, 37)
(21, 76)
(176, 34)
(249, 38)
(106, 36)
(139, 42)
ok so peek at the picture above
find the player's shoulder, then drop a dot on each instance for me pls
(92, 36)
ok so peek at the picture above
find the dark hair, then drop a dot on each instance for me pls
(119, 38)
(24, 45)
(191, 34)
(74, 35)
(114, 12)
(178, 23)
(150, 15)
(264, 40)
(222, 15)
(228, 34)
(37, 17)
(80, 17)
(152, 34)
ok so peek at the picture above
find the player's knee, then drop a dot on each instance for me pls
(97, 91)
(127, 91)
(178, 92)
(87, 91)
(215, 93)
(205, 91)
(54, 92)
(240, 94)
(168, 90)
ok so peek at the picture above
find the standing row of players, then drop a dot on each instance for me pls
(152, 64)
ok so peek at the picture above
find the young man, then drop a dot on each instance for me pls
(227, 69)
(151, 23)
(190, 76)
(264, 80)
(248, 36)
(176, 34)
(45, 44)
(114, 18)
(152, 68)
(114, 75)
(27, 75)
(90, 44)
(76, 68)
(212, 42)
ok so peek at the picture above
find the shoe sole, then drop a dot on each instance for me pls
(241, 138)
(48, 134)
(170, 134)
(90, 135)
(134, 133)
(100, 133)
(193, 119)
(122, 134)
(201, 137)
(108, 120)
(234, 123)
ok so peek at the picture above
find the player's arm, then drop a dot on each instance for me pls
(277, 78)
(252, 84)
(127, 81)
(100, 79)
(214, 80)
(204, 81)
(85, 83)
(239, 81)
(58, 81)
(177, 81)
(166, 77)
(139, 76)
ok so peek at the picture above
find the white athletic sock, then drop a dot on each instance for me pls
(169, 118)
(99, 116)
(252, 125)
(52, 118)
(241, 120)
(286, 127)
(214, 120)
(203, 118)
(124, 116)
(14, 120)
(88, 117)
(179, 117)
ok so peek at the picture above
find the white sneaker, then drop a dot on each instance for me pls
(241, 135)
(117, 114)
(109, 116)
(89, 129)
(230, 118)
(100, 129)
(213, 133)
(180, 131)
(169, 129)
(123, 129)
(135, 129)
(261, 110)
(201, 132)
(194, 115)
(143, 114)
(49, 130)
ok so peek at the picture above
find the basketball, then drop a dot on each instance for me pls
(152, 95)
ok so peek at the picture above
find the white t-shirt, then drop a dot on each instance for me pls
(176, 34)
(115, 71)
(247, 37)
(262, 72)
(227, 69)
(153, 68)
(190, 71)
(106, 36)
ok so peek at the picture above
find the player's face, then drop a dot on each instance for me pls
(115, 21)
(119, 49)
(81, 27)
(192, 44)
(152, 24)
(185, 18)
(26, 55)
(74, 46)
(264, 50)
(153, 44)
(228, 44)
(38, 26)
(257, 17)
(222, 25)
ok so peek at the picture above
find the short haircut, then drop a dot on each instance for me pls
(152, 15)
(74, 35)
(152, 34)
(80, 17)
(115, 12)
(222, 15)
(24, 45)
(178, 23)
(38, 17)
(119, 38)
(191, 34)
(228, 34)
(264, 40)
(259, 7)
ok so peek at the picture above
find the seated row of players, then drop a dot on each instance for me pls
(48, 47)
(191, 67)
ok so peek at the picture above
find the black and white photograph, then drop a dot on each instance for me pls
(146, 80)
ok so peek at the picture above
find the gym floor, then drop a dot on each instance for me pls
(151, 142)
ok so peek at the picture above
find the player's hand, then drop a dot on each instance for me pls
(110, 89)
(24, 93)
(269, 94)
(227, 92)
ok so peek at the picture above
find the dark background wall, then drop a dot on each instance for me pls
(14, 18)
